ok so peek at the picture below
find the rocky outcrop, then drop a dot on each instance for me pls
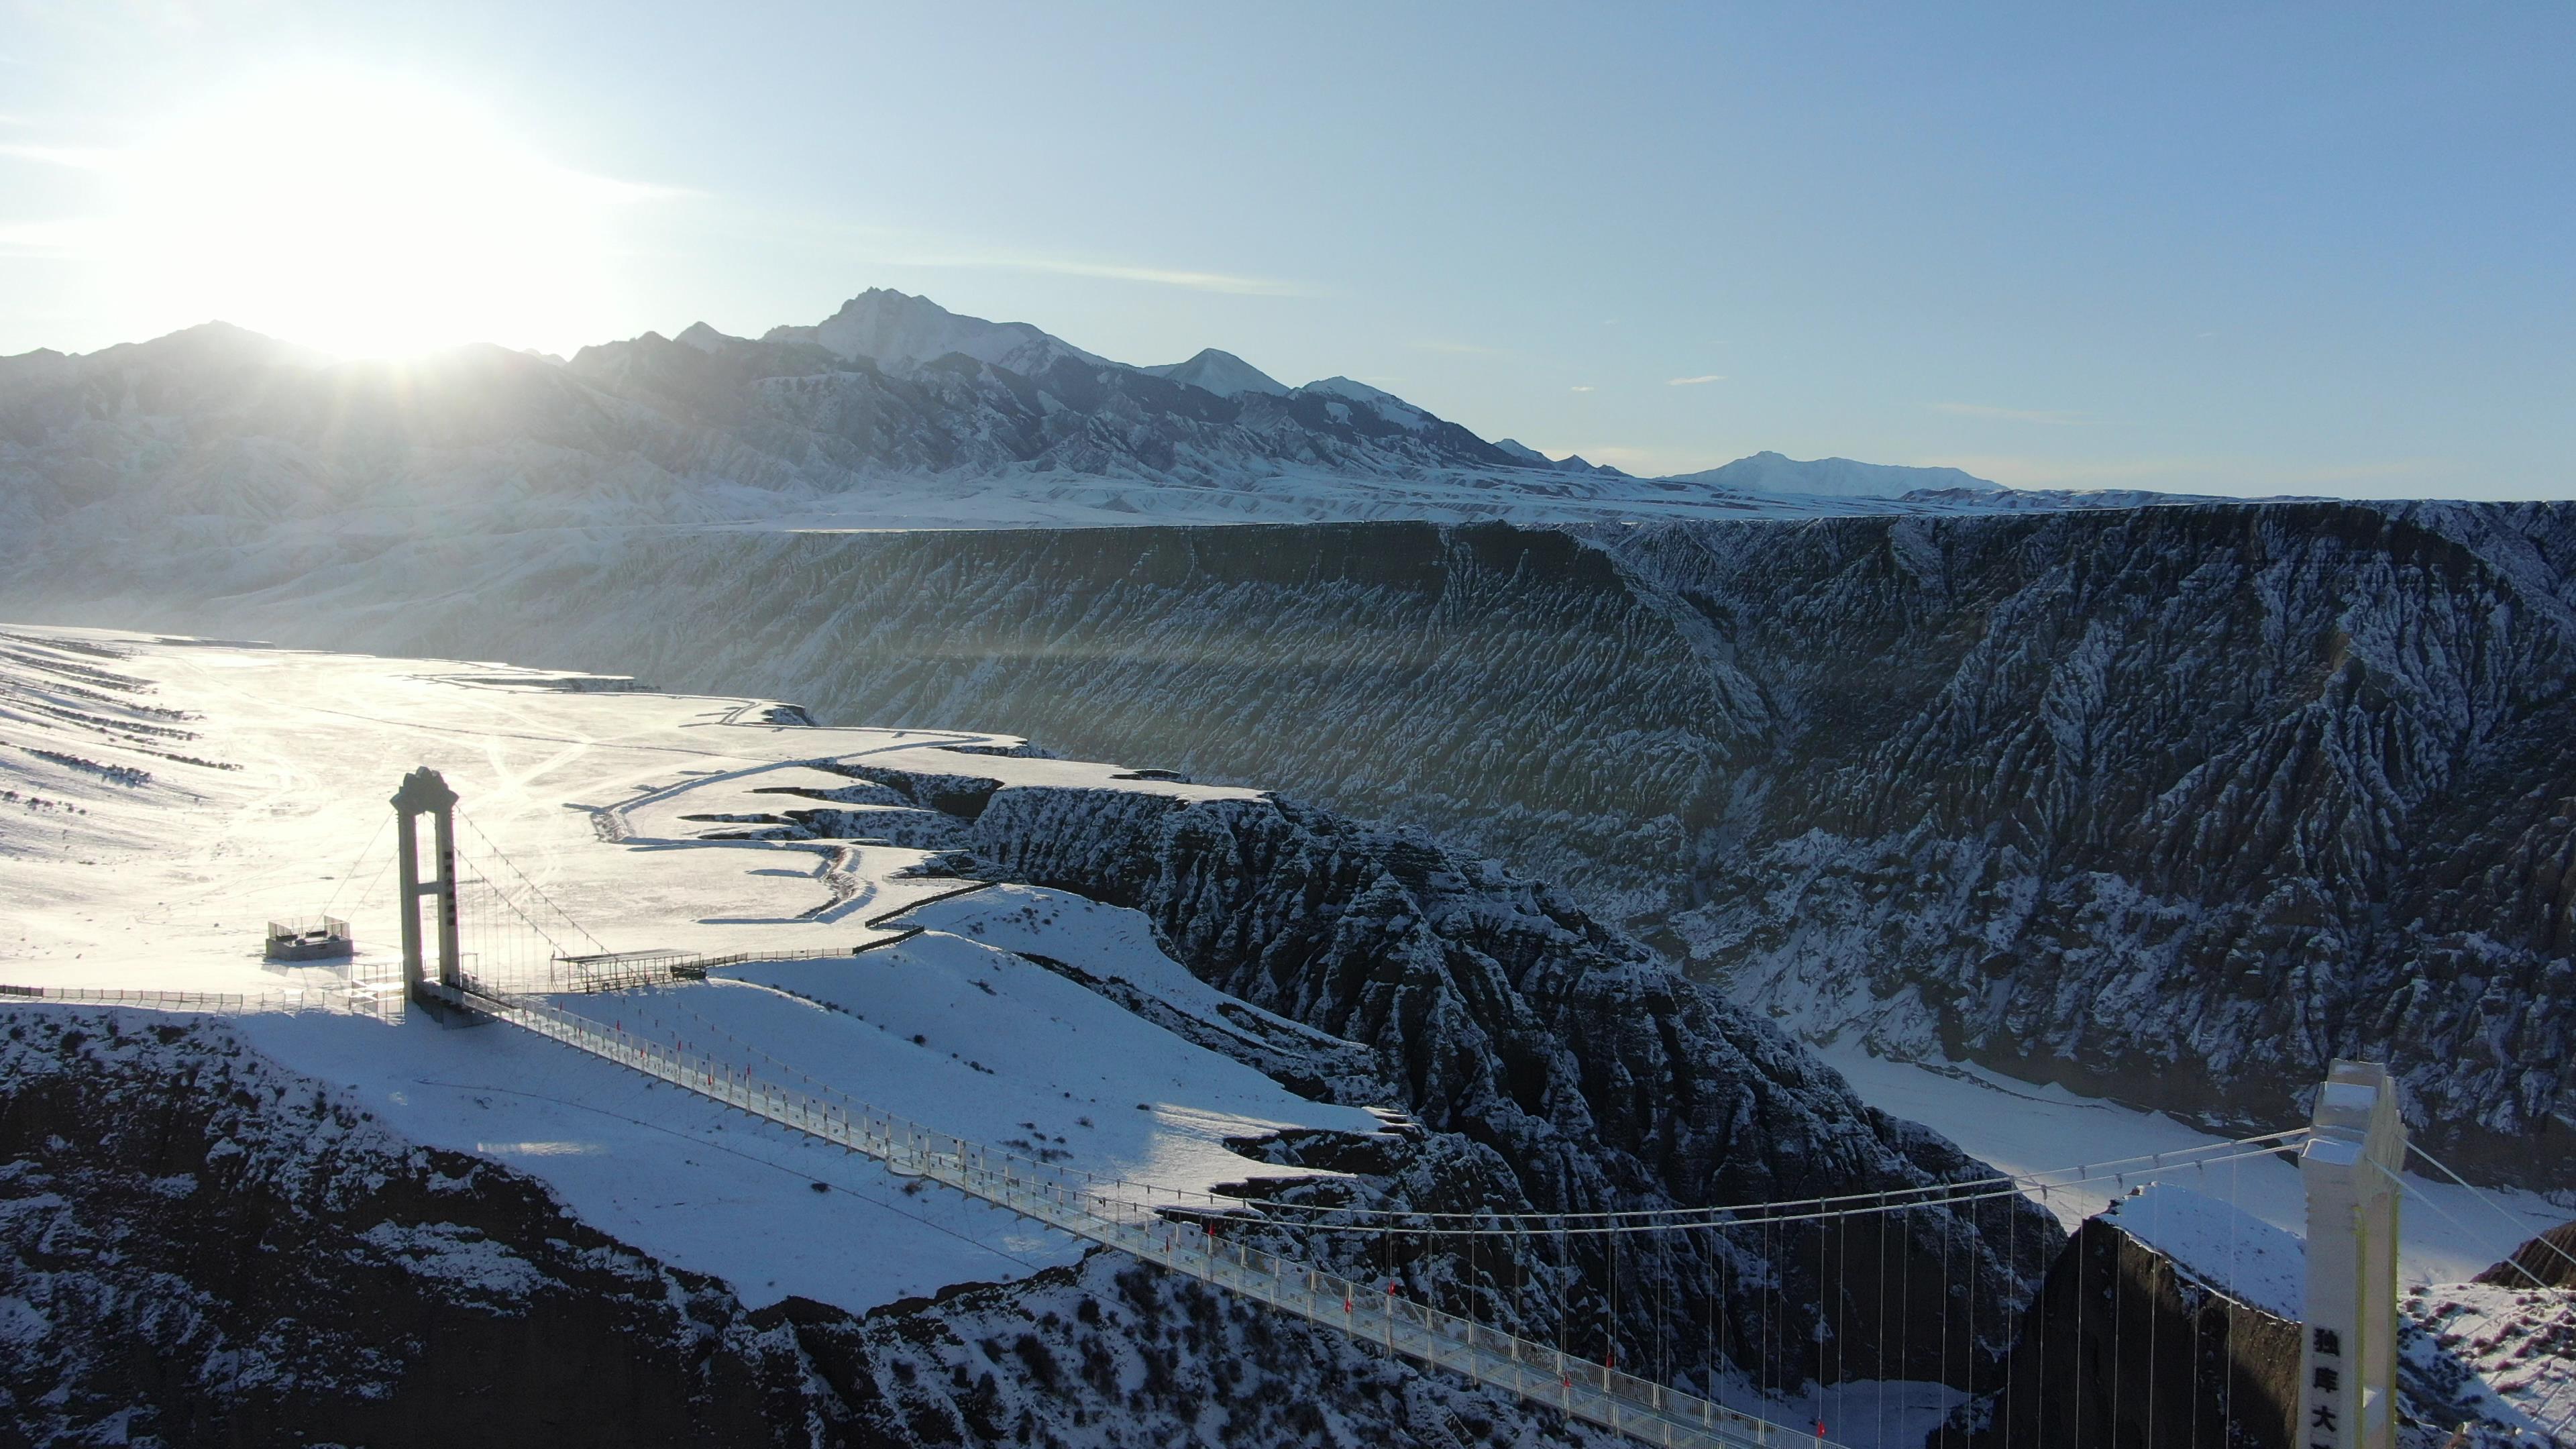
(197, 1247)
(2126, 1348)
(2547, 1261)
(2129, 1344)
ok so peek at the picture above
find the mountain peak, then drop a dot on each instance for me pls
(704, 338)
(1570, 463)
(897, 329)
(1378, 400)
(1221, 373)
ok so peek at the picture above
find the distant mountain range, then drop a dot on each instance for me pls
(1091, 415)
(893, 409)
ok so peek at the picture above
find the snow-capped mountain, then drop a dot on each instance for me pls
(1570, 463)
(1221, 373)
(894, 329)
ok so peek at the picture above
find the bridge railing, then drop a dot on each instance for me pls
(353, 1000)
(642, 970)
(1179, 1234)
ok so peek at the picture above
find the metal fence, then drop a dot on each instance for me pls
(357, 999)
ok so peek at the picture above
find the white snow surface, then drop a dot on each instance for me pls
(165, 885)
(1540, 494)
(2223, 1246)
(2520, 1343)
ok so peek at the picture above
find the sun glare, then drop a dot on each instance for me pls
(369, 218)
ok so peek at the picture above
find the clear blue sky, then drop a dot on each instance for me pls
(2244, 248)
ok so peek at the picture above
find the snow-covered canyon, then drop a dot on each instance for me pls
(2171, 805)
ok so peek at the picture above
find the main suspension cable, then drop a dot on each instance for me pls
(1938, 1194)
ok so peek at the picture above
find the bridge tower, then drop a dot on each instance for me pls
(2348, 1356)
(425, 792)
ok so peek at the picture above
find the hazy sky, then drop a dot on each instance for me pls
(2242, 248)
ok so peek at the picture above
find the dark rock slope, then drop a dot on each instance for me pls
(1544, 1064)
(2174, 803)
(2123, 1346)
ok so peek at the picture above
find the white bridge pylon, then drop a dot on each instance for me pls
(2348, 1353)
(1176, 1228)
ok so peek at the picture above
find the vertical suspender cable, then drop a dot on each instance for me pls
(1970, 1251)
(2119, 1271)
(1775, 1334)
(2012, 1275)
(2227, 1421)
(2078, 1413)
(1610, 1349)
(1663, 1289)
(1878, 1344)
(1905, 1293)
(1822, 1297)
(1947, 1212)
(2155, 1209)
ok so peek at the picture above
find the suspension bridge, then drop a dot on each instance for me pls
(530, 954)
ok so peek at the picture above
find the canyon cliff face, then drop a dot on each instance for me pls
(2173, 804)
(1540, 1063)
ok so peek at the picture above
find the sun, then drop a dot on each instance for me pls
(367, 217)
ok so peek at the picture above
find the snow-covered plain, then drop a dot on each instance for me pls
(164, 884)
(1018, 498)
